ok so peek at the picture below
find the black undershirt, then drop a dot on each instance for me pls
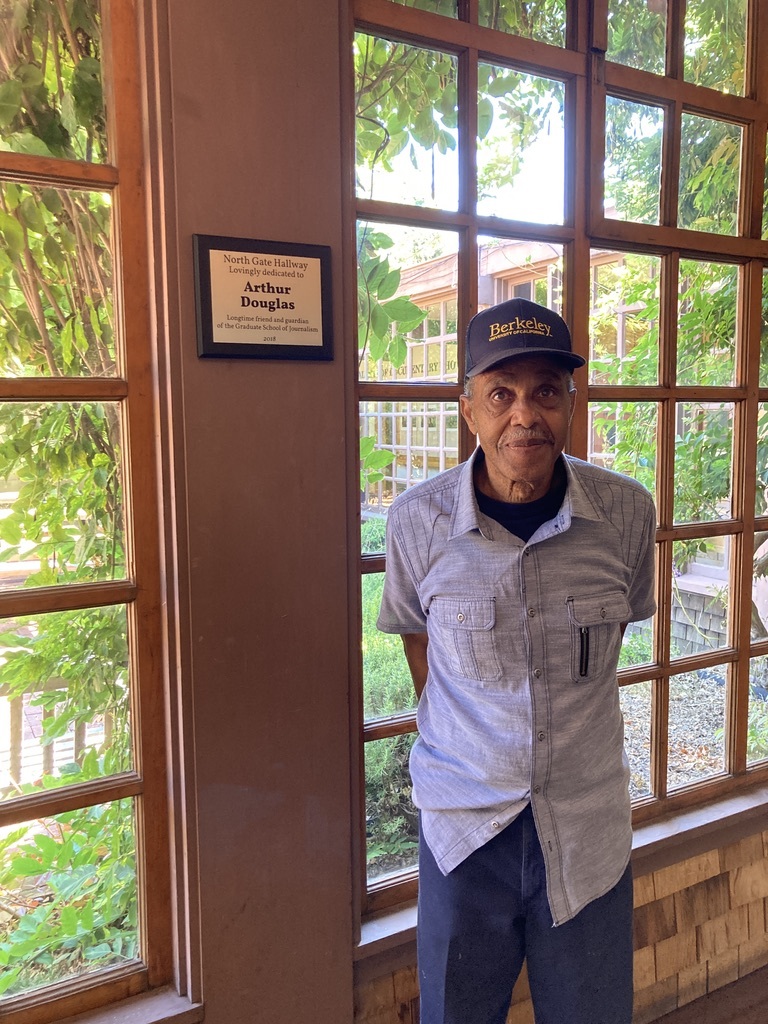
(523, 518)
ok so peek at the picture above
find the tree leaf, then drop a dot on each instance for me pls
(484, 117)
(10, 101)
(12, 233)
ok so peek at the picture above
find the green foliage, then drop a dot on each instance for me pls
(637, 34)
(513, 110)
(384, 319)
(709, 175)
(388, 689)
(637, 646)
(391, 819)
(715, 37)
(757, 731)
(406, 99)
(51, 97)
(67, 889)
(534, 19)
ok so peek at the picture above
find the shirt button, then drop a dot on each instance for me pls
(537, 673)
(494, 824)
(531, 612)
(460, 616)
(602, 613)
(537, 789)
(542, 736)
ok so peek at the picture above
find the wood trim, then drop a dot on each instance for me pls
(77, 996)
(70, 798)
(36, 601)
(62, 389)
(54, 171)
(142, 476)
(425, 28)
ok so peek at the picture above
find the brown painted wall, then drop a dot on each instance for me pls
(249, 146)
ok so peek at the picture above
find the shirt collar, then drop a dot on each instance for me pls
(466, 515)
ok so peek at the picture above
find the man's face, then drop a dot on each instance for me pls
(520, 411)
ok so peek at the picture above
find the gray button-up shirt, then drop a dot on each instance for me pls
(521, 703)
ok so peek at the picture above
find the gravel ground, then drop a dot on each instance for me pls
(696, 720)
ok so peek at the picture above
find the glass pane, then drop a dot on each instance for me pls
(70, 897)
(624, 318)
(706, 333)
(402, 443)
(391, 820)
(759, 616)
(521, 146)
(61, 493)
(633, 137)
(622, 437)
(764, 329)
(637, 34)
(64, 699)
(761, 493)
(406, 125)
(700, 596)
(543, 20)
(715, 38)
(387, 685)
(636, 708)
(637, 645)
(512, 269)
(406, 290)
(51, 81)
(56, 305)
(446, 7)
(696, 726)
(710, 160)
(757, 725)
(703, 461)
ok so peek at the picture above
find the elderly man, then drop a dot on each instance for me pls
(511, 579)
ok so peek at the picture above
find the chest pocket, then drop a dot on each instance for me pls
(464, 628)
(595, 632)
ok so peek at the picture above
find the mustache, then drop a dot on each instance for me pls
(519, 434)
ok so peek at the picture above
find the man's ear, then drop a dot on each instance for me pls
(573, 403)
(465, 405)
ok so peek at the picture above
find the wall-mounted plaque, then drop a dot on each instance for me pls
(264, 300)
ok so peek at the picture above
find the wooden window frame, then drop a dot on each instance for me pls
(141, 591)
(589, 77)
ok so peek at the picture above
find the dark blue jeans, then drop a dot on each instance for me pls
(478, 923)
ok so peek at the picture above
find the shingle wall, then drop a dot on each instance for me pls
(699, 925)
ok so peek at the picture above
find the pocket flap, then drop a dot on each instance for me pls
(598, 608)
(464, 613)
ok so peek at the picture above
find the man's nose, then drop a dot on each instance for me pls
(524, 412)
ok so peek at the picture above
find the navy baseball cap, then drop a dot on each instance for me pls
(518, 327)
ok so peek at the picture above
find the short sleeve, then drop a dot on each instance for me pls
(642, 598)
(401, 610)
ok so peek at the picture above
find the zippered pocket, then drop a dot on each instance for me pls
(595, 631)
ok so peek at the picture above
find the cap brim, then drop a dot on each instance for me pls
(569, 359)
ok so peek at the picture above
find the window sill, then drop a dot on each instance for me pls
(162, 1006)
(388, 939)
